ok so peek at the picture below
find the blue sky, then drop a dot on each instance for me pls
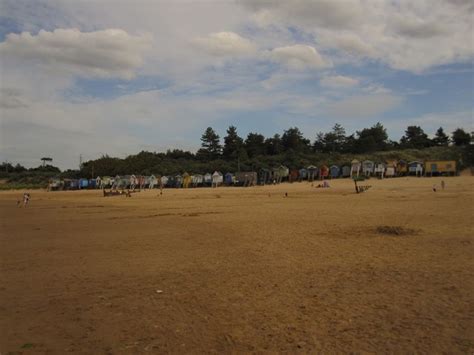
(93, 78)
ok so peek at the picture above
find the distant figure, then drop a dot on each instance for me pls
(286, 194)
(442, 184)
(434, 188)
(18, 203)
(26, 199)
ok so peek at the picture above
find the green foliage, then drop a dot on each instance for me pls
(416, 138)
(273, 146)
(461, 137)
(333, 141)
(255, 145)
(440, 139)
(292, 139)
(468, 155)
(210, 145)
(371, 139)
(233, 144)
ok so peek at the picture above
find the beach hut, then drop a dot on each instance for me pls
(178, 181)
(368, 167)
(283, 172)
(323, 172)
(379, 170)
(152, 181)
(246, 178)
(141, 181)
(55, 184)
(92, 183)
(164, 181)
(98, 182)
(346, 171)
(390, 171)
(390, 168)
(275, 175)
(208, 179)
(303, 174)
(105, 181)
(355, 168)
(171, 181)
(197, 180)
(294, 175)
(117, 182)
(134, 182)
(312, 172)
(186, 180)
(402, 168)
(83, 183)
(280, 174)
(440, 167)
(217, 179)
(71, 184)
(415, 168)
(229, 179)
(334, 171)
(264, 176)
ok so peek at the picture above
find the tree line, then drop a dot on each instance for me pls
(255, 151)
(367, 140)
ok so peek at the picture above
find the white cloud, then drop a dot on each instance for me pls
(408, 35)
(225, 44)
(11, 98)
(106, 53)
(299, 56)
(339, 81)
(325, 13)
(348, 42)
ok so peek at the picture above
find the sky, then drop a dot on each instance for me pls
(94, 77)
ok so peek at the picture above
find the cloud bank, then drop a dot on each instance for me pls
(106, 53)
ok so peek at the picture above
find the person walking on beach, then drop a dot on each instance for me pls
(26, 199)
(442, 184)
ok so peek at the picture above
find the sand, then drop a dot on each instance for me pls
(240, 270)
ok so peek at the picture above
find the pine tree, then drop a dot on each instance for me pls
(255, 144)
(210, 146)
(273, 146)
(232, 143)
(334, 140)
(440, 138)
(293, 139)
(461, 137)
(415, 137)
